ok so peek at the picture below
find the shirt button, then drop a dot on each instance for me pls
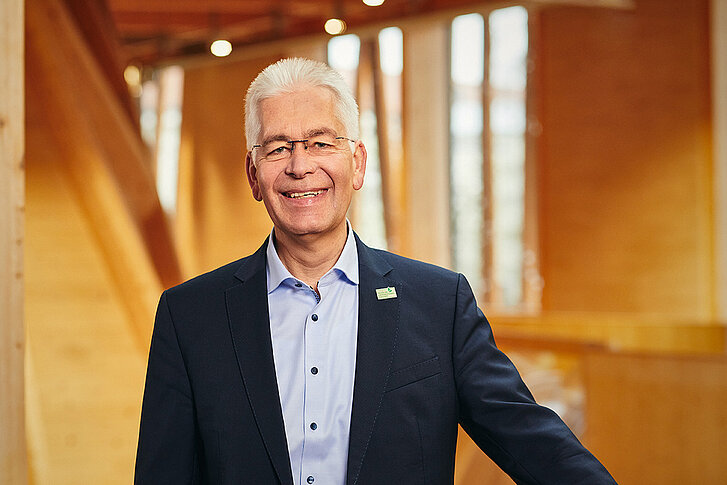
(314, 317)
(314, 370)
(310, 479)
(313, 426)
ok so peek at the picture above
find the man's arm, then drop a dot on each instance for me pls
(529, 442)
(166, 452)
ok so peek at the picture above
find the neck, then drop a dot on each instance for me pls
(310, 256)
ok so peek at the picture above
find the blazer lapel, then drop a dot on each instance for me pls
(247, 306)
(378, 322)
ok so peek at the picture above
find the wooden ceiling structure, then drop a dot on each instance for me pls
(158, 31)
(153, 31)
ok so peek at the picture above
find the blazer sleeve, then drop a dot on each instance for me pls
(166, 451)
(528, 441)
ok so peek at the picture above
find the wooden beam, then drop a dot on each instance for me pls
(250, 8)
(487, 293)
(719, 100)
(94, 21)
(85, 105)
(222, 6)
(391, 212)
(531, 276)
(104, 159)
(371, 195)
(426, 142)
(13, 466)
(177, 20)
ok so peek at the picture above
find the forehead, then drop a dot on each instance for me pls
(296, 113)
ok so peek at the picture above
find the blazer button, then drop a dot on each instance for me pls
(310, 479)
(314, 317)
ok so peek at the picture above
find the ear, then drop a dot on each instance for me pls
(359, 165)
(251, 171)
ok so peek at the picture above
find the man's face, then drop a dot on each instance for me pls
(328, 182)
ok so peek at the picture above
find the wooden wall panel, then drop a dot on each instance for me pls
(658, 420)
(218, 220)
(12, 200)
(625, 176)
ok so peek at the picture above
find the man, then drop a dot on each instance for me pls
(320, 360)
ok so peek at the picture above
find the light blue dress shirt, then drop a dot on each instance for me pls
(314, 348)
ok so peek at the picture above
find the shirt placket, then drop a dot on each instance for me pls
(315, 392)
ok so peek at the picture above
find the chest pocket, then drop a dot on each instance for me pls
(413, 373)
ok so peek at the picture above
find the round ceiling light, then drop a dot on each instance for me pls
(221, 48)
(335, 26)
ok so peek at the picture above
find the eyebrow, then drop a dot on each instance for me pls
(308, 134)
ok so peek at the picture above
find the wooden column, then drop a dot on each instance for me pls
(426, 142)
(12, 416)
(719, 100)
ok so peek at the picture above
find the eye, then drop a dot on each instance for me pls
(277, 150)
(322, 143)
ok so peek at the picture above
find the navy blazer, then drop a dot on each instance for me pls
(426, 361)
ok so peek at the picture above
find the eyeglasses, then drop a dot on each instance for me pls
(316, 146)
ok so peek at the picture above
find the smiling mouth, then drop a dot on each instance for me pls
(303, 195)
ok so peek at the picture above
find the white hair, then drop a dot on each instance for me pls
(288, 75)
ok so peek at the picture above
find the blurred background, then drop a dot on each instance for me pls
(568, 156)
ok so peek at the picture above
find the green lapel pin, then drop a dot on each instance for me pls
(385, 293)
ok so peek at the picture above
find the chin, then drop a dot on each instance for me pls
(305, 228)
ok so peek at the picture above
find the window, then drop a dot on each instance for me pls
(488, 121)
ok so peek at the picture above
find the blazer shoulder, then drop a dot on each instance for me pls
(413, 268)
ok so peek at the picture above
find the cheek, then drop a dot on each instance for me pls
(267, 179)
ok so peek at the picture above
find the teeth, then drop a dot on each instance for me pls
(300, 195)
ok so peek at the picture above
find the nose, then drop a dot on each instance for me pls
(299, 163)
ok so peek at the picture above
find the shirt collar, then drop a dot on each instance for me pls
(346, 265)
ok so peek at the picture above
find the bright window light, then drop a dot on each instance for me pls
(466, 150)
(391, 47)
(171, 84)
(343, 53)
(507, 115)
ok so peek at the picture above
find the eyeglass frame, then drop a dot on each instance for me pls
(304, 141)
